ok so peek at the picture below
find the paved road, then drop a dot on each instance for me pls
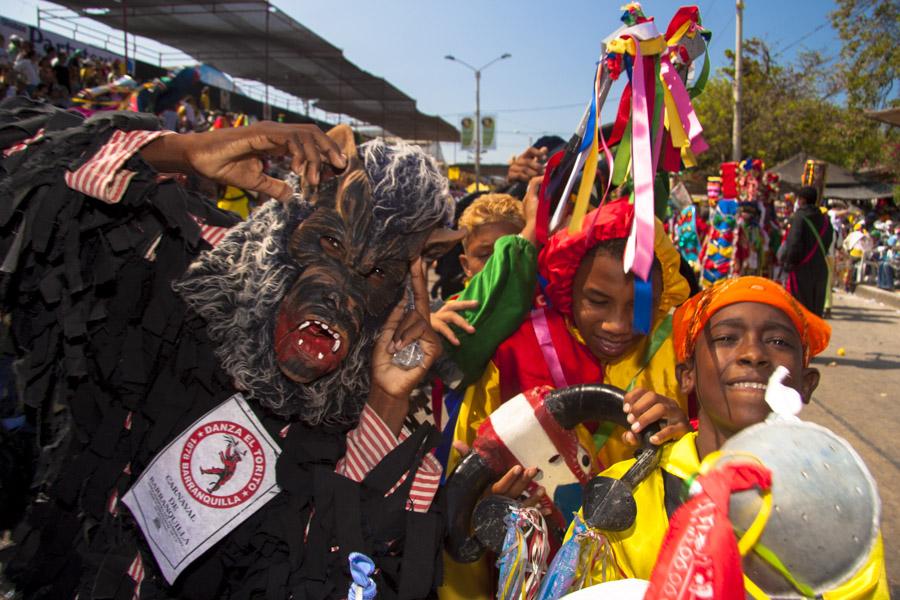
(857, 399)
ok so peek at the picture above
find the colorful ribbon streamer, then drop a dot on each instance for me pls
(523, 560)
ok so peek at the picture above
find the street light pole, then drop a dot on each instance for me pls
(478, 108)
(478, 130)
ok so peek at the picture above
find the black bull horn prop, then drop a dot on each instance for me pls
(608, 503)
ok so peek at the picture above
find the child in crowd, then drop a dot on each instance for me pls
(580, 331)
(728, 339)
(499, 259)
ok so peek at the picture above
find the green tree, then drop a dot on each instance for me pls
(787, 108)
(869, 63)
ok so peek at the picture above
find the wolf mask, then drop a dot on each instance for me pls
(294, 297)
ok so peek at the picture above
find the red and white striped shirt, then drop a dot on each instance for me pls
(370, 442)
(103, 177)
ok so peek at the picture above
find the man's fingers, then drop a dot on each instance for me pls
(273, 187)
(669, 432)
(312, 170)
(519, 486)
(636, 402)
(629, 439)
(298, 156)
(419, 287)
(458, 305)
(386, 336)
(328, 148)
(411, 328)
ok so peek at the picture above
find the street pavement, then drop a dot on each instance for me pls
(856, 399)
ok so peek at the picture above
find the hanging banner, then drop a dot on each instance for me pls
(467, 132)
(489, 132)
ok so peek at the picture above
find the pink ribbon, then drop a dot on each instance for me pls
(639, 249)
(686, 113)
(545, 342)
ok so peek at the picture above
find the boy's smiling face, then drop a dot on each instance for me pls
(734, 357)
(603, 305)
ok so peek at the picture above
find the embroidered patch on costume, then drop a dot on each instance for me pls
(203, 484)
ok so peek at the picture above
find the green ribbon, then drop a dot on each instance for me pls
(700, 84)
(623, 157)
(773, 561)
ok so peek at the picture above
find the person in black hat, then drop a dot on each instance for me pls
(806, 250)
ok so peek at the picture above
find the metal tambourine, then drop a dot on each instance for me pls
(826, 510)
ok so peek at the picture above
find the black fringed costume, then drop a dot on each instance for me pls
(115, 364)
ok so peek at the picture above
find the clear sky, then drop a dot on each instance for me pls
(544, 86)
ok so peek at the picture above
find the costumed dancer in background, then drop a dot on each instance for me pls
(499, 261)
(771, 228)
(580, 330)
(689, 232)
(751, 240)
(118, 95)
(806, 252)
(718, 252)
(729, 340)
(281, 345)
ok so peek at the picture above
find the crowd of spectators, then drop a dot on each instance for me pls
(74, 79)
(867, 245)
(51, 74)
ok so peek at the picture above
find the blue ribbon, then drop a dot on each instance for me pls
(361, 569)
(591, 129)
(452, 401)
(643, 303)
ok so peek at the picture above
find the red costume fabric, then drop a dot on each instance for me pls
(521, 359)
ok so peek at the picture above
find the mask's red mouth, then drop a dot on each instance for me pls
(308, 348)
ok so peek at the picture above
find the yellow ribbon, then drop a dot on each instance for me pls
(626, 45)
(589, 173)
(679, 33)
(584, 191)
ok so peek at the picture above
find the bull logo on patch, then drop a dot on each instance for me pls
(230, 458)
(222, 464)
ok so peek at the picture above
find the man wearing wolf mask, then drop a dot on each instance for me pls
(135, 337)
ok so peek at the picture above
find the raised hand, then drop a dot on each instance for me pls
(448, 315)
(235, 156)
(530, 203)
(527, 165)
(392, 384)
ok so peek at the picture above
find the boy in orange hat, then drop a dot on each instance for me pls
(728, 339)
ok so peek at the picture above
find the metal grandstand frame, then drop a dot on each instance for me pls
(253, 41)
